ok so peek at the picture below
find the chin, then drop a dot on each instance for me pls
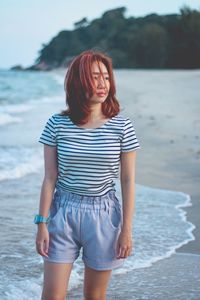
(98, 100)
(101, 100)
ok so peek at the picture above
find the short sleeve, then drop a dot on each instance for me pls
(129, 139)
(48, 135)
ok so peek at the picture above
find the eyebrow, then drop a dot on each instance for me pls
(99, 73)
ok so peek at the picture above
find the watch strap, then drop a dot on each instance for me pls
(40, 219)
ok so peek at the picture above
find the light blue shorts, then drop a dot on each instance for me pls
(91, 222)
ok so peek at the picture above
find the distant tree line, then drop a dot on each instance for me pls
(153, 41)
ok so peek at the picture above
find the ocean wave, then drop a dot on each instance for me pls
(8, 111)
(7, 119)
(17, 162)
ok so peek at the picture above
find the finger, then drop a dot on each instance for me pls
(118, 248)
(119, 252)
(40, 248)
(46, 246)
(123, 252)
(127, 252)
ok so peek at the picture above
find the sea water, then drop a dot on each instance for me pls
(27, 99)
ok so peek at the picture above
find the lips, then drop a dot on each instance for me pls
(101, 94)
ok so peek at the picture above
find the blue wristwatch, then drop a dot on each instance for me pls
(40, 219)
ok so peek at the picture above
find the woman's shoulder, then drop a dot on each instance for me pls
(124, 121)
(58, 117)
(121, 117)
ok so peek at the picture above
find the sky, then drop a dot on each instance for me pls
(25, 25)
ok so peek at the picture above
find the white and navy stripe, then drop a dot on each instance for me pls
(89, 158)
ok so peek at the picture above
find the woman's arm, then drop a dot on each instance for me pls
(127, 178)
(46, 195)
(50, 177)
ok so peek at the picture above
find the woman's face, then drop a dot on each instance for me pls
(102, 84)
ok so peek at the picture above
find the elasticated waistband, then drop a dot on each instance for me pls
(77, 200)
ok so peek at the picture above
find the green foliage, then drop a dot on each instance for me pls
(153, 41)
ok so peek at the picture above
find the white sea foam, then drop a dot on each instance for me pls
(7, 119)
(15, 108)
(26, 289)
(8, 112)
(48, 99)
(32, 288)
(59, 77)
(19, 161)
(170, 204)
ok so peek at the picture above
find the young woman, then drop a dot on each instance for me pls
(84, 148)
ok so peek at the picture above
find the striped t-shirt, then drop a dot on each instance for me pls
(89, 158)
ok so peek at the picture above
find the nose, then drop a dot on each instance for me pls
(101, 82)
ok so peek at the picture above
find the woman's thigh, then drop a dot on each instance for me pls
(56, 279)
(96, 283)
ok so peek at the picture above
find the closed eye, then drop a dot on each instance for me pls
(106, 78)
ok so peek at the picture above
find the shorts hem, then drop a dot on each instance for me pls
(58, 261)
(101, 266)
(53, 258)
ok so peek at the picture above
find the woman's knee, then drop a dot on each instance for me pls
(90, 295)
(49, 295)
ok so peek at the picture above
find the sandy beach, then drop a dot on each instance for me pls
(164, 108)
(166, 117)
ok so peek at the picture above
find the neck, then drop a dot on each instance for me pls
(96, 114)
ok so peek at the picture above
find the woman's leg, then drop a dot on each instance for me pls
(95, 284)
(56, 279)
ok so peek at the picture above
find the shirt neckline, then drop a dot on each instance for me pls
(81, 128)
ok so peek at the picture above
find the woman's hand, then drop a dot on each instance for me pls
(124, 244)
(42, 239)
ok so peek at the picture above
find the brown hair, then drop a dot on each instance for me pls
(79, 81)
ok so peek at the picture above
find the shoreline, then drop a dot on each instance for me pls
(174, 278)
(168, 127)
(164, 107)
